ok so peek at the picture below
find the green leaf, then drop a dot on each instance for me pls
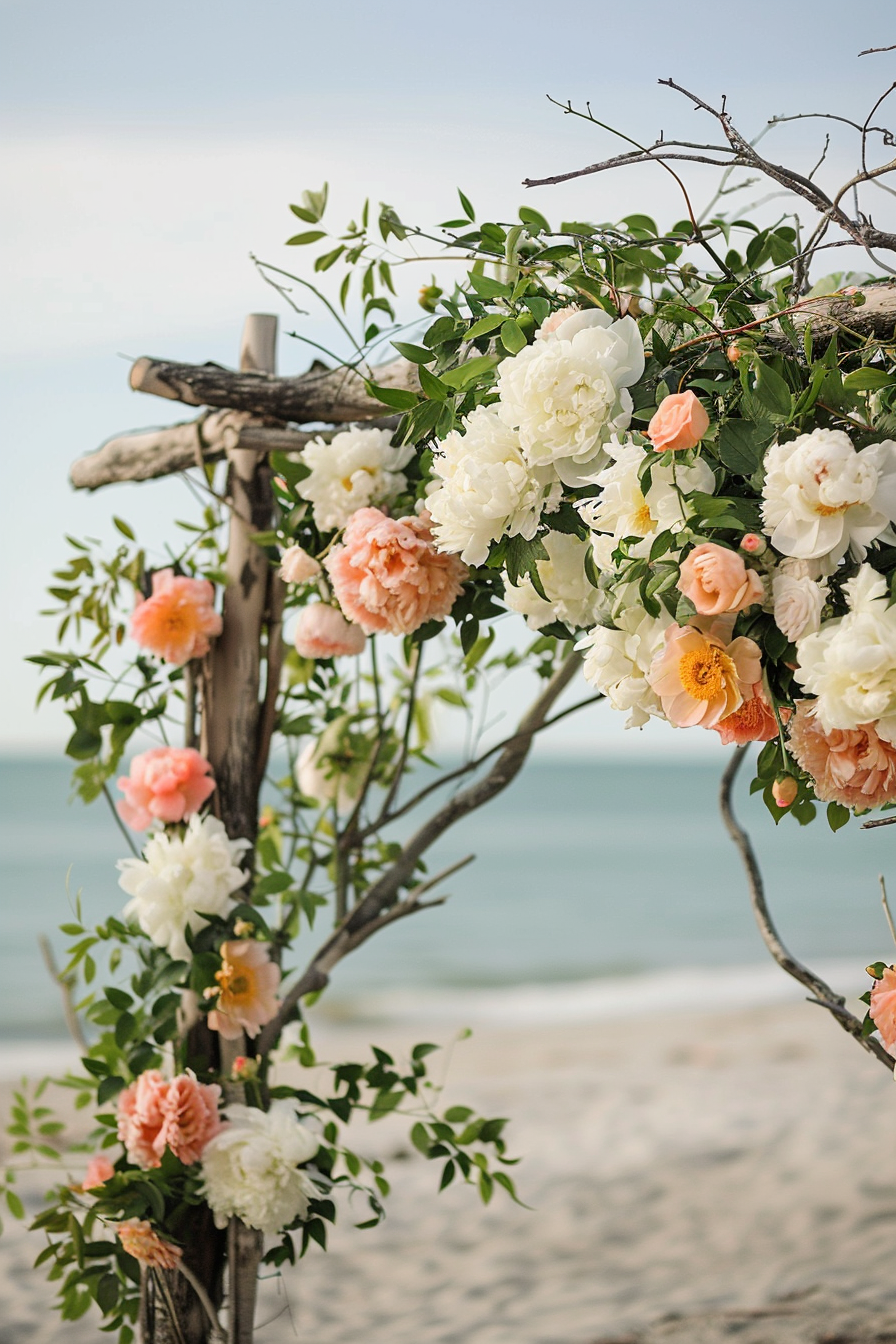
(741, 446)
(311, 236)
(466, 206)
(395, 397)
(431, 385)
(772, 390)
(447, 1174)
(484, 325)
(867, 380)
(838, 815)
(488, 288)
(534, 219)
(420, 1139)
(15, 1205)
(458, 1115)
(417, 354)
(469, 371)
(123, 528)
(513, 336)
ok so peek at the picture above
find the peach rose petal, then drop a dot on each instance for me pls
(680, 422)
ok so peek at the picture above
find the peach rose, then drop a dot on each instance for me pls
(680, 422)
(699, 677)
(716, 580)
(247, 989)
(297, 566)
(139, 1240)
(785, 790)
(323, 632)
(883, 1007)
(754, 722)
(99, 1171)
(388, 575)
(190, 1118)
(852, 766)
(178, 620)
(140, 1118)
(166, 784)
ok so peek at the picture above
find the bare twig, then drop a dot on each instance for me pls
(888, 914)
(821, 992)
(65, 989)
(218, 1335)
(871, 50)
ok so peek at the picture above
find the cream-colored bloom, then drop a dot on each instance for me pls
(567, 393)
(798, 599)
(484, 489)
(849, 665)
(822, 498)
(617, 661)
(569, 595)
(297, 566)
(179, 877)
(329, 769)
(251, 1169)
(358, 467)
(622, 509)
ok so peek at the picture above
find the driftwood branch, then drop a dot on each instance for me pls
(821, 992)
(329, 395)
(65, 988)
(363, 920)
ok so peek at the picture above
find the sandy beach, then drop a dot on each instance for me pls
(691, 1179)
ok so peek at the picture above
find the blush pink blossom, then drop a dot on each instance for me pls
(323, 632)
(154, 1114)
(883, 1007)
(139, 1240)
(680, 422)
(178, 620)
(852, 766)
(99, 1170)
(700, 677)
(297, 566)
(388, 575)
(753, 543)
(165, 784)
(754, 722)
(247, 989)
(716, 580)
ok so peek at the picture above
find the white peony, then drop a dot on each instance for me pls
(571, 597)
(484, 489)
(617, 661)
(822, 498)
(181, 879)
(623, 510)
(357, 468)
(567, 393)
(798, 599)
(250, 1170)
(849, 665)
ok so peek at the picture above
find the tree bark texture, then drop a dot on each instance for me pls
(327, 395)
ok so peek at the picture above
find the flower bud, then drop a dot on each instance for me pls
(244, 1069)
(734, 352)
(785, 790)
(753, 543)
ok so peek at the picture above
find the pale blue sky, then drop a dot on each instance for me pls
(147, 151)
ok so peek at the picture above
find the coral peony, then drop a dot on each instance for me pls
(247, 989)
(754, 722)
(701, 678)
(165, 784)
(388, 575)
(154, 1114)
(297, 566)
(179, 619)
(139, 1240)
(852, 766)
(680, 422)
(323, 632)
(716, 580)
(99, 1171)
(883, 1007)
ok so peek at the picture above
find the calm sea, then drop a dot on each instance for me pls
(587, 876)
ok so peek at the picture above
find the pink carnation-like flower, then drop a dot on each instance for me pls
(178, 620)
(139, 1240)
(247, 994)
(323, 632)
(716, 580)
(154, 1114)
(680, 422)
(883, 1007)
(165, 784)
(852, 766)
(700, 677)
(99, 1170)
(388, 575)
(754, 722)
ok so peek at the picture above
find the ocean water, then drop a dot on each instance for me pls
(598, 888)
